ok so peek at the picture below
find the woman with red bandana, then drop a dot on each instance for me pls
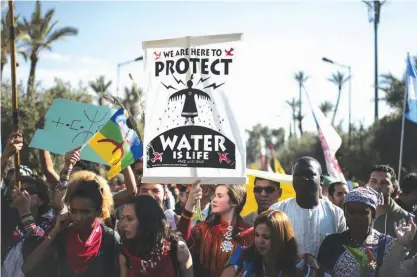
(150, 246)
(82, 244)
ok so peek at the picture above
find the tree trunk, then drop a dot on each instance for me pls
(300, 119)
(31, 80)
(337, 105)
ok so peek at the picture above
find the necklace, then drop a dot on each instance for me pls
(161, 249)
(227, 245)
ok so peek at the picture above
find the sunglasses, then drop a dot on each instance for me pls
(268, 189)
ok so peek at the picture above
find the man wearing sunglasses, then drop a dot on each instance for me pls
(267, 193)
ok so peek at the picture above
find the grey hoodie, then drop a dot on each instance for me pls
(385, 223)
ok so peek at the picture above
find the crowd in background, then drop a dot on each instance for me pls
(76, 223)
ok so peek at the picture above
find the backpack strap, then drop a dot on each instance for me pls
(380, 253)
(174, 257)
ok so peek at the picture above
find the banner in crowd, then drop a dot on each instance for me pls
(70, 124)
(116, 143)
(190, 130)
(330, 141)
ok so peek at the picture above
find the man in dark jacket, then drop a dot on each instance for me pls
(408, 197)
(382, 179)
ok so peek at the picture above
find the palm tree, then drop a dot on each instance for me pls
(293, 105)
(43, 33)
(394, 89)
(132, 101)
(5, 40)
(326, 107)
(100, 86)
(338, 79)
(301, 78)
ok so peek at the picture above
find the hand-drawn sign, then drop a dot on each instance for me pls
(68, 125)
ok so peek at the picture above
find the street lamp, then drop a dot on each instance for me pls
(348, 67)
(122, 64)
(374, 12)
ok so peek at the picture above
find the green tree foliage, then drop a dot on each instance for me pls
(42, 32)
(253, 142)
(30, 111)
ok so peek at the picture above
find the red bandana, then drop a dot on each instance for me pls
(79, 253)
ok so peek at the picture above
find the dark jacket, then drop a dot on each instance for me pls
(385, 223)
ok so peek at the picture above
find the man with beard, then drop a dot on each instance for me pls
(382, 179)
(311, 217)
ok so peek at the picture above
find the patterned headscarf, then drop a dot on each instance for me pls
(365, 195)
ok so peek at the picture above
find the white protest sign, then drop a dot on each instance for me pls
(190, 130)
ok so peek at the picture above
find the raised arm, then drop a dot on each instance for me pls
(186, 219)
(48, 168)
(14, 144)
(21, 201)
(43, 250)
(130, 190)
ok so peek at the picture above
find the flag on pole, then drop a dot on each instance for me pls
(116, 143)
(330, 141)
(411, 87)
(275, 162)
(264, 159)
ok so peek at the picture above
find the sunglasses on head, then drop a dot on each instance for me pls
(268, 189)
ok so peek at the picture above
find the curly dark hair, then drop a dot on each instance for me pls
(152, 227)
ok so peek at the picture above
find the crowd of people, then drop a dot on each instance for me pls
(76, 224)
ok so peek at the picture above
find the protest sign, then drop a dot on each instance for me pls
(190, 130)
(70, 124)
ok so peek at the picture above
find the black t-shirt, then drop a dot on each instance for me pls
(106, 264)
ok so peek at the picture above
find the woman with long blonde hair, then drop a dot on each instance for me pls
(274, 253)
(82, 244)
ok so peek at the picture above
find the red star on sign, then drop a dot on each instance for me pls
(229, 52)
(223, 157)
(157, 156)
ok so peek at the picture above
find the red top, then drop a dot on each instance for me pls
(205, 242)
(157, 265)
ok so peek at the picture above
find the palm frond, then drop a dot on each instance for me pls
(60, 33)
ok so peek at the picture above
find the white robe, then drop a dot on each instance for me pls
(311, 226)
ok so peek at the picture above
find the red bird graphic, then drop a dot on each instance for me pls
(157, 55)
(157, 156)
(223, 157)
(229, 52)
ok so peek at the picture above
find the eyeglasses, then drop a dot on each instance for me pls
(268, 189)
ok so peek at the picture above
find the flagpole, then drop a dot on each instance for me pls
(403, 124)
(15, 102)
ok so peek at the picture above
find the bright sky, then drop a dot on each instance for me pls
(280, 38)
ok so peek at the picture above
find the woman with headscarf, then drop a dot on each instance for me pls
(213, 241)
(275, 252)
(361, 250)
